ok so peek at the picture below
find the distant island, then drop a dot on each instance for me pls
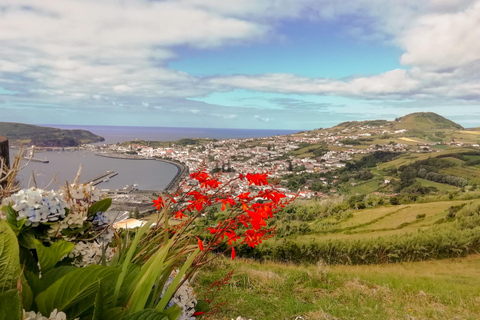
(27, 134)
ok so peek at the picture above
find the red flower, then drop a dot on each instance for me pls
(229, 201)
(158, 203)
(233, 253)
(257, 178)
(198, 313)
(200, 243)
(179, 215)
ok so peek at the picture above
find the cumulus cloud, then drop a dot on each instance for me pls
(444, 41)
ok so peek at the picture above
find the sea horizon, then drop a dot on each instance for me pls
(116, 134)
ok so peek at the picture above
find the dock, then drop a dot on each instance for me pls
(36, 160)
(107, 175)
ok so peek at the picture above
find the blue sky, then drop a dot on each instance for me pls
(270, 64)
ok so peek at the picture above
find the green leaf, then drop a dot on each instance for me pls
(9, 258)
(173, 312)
(147, 314)
(76, 289)
(113, 313)
(99, 305)
(26, 240)
(27, 294)
(52, 276)
(10, 306)
(101, 206)
(128, 258)
(49, 256)
(150, 272)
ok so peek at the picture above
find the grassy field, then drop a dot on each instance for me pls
(442, 289)
(439, 186)
(379, 222)
(412, 157)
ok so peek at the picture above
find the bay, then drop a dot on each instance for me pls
(63, 165)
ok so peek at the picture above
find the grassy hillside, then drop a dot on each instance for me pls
(443, 289)
(425, 120)
(20, 133)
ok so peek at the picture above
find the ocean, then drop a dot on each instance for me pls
(147, 174)
(114, 134)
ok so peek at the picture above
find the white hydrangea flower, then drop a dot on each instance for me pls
(37, 205)
(85, 254)
(54, 315)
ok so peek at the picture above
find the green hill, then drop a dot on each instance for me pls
(425, 120)
(20, 133)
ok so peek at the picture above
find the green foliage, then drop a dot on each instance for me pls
(434, 244)
(49, 256)
(147, 314)
(9, 258)
(10, 305)
(75, 292)
(100, 206)
(370, 160)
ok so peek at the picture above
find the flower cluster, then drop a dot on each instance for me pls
(54, 315)
(79, 198)
(247, 212)
(37, 205)
(87, 253)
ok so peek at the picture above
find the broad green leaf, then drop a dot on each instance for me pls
(49, 256)
(76, 289)
(10, 214)
(173, 312)
(52, 276)
(147, 314)
(9, 258)
(26, 239)
(28, 261)
(113, 313)
(33, 282)
(27, 294)
(10, 305)
(101, 205)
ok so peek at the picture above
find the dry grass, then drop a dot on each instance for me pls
(8, 176)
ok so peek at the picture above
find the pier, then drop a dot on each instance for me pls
(36, 160)
(107, 175)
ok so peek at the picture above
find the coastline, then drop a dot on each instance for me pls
(173, 185)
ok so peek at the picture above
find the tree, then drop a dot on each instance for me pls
(136, 213)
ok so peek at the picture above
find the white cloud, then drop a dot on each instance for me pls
(444, 41)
